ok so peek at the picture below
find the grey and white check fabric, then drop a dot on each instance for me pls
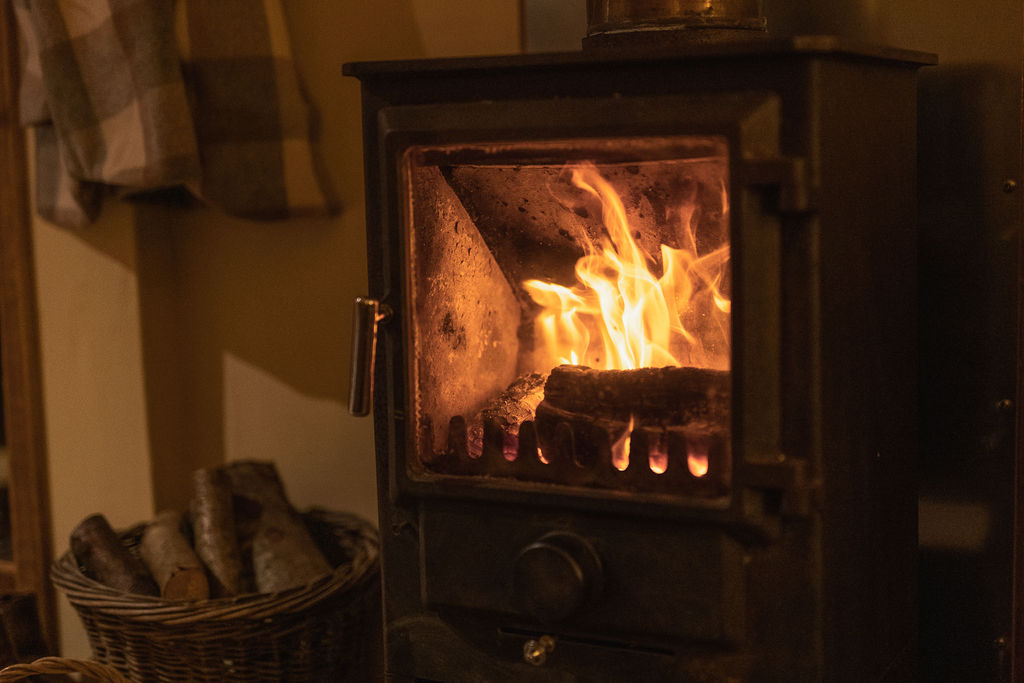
(145, 94)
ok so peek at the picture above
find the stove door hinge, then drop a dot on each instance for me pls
(785, 487)
(789, 175)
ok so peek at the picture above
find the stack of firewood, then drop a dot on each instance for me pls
(240, 535)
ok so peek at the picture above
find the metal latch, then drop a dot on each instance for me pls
(790, 174)
(787, 476)
(367, 315)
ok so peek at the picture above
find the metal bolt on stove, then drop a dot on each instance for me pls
(536, 652)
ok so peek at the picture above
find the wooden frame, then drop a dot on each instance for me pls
(23, 406)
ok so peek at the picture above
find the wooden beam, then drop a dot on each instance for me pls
(8, 574)
(19, 350)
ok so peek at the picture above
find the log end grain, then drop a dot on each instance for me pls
(171, 560)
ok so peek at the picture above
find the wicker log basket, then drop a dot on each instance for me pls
(90, 671)
(323, 631)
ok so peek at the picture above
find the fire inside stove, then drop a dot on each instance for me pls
(571, 312)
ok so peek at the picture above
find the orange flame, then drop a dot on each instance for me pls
(620, 449)
(697, 458)
(622, 316)
(658, 457)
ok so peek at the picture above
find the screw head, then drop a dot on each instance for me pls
(535, 650)
(534, 653)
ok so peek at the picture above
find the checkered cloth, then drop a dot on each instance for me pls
(135, 95)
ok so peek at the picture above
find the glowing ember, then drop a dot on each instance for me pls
(620, 315)
(510, 444)
(540, 456)
(620, 449)
(658, 457)
(697, 459)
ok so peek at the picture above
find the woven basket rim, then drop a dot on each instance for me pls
(92, 669)
(84, 592)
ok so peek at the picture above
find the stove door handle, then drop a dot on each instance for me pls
(367, 314)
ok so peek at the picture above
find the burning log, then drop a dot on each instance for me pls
(171, 560)
(493, 430)
(661, 430)
(669, 395)
(213, 523)
(517, 403)
(657, 428)
(103, 557)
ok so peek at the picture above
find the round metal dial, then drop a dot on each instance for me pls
(555, 576)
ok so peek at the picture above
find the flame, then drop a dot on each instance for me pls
(620, 315)
(697, 458)
(620, 449)
(658, 457)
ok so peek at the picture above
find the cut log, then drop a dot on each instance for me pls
(216, 541)
(495, 427)
(257, 481)
(652, 418)
(171, 560)
(667, 395)
(103, 557)
(284, 554)
(517, 403)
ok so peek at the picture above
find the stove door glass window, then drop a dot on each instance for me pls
(570, 312)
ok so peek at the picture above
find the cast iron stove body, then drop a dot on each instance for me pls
(743, 506)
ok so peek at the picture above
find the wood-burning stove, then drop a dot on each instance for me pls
(727, 494)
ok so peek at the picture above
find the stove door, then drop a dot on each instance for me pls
(583, 287)
(571, 311)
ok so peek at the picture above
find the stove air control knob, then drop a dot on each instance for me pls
(555, 576)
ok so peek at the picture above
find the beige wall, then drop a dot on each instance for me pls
(92, 382)
(174, 338)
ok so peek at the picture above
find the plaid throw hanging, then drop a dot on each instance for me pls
(134, 95)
